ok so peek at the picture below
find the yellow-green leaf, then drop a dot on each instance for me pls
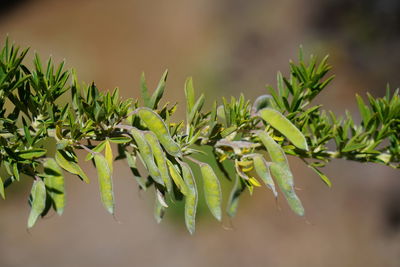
(190, 198)
(233, 201)
(263, 172)
(323, 177)
(161, 159)
(283, 178)
(212, 190)
(159, 211)
(120, 139)
(38, 201)
(177, 178)
(54, 181)
(158, 93)
(99, 148)
(2, 189)
(32, 153)
(105, 182)
(284, 126)
(131, 159)
(109, 155)
(155, 123)
(15, 171)
(146, 155)
(275, 151)
(70, 166)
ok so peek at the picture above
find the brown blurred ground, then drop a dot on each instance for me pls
(229, 47)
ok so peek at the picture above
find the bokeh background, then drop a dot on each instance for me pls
(229, 47)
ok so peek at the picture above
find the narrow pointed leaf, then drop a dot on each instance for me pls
(99, 148)
(158, 93)
(32, 153)
(144, 91)
(323, 177)
(120, 140)
(189, 93)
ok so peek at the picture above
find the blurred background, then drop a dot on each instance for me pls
(229, 47)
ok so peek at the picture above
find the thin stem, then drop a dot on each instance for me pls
(195, 160)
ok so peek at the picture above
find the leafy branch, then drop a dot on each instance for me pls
(253, 138)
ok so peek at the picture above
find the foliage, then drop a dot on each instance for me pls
(253, 138)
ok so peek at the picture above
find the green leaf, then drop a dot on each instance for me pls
(38, 201)
(15, 171)
(233, 201)
(189, 93)
(284, 179)
(120, 139)
(144, 91)
(160, 159)
(70, 165)
(158, 93)
(146, 155)
(109, 155)
(353, 146)
(54, 181)
(177, 178)
(191, 197)
(212, 190)
(196, 108)
(159, 209)
(131, 159)
(262, 169)
(228, 131)
(385, 158)
(364, 110)
(27, 132)
(275, 151)
(156, 124)
(323, 177)
(283, 125)
(99, 148)
(261, 102)
(2, 189)
(105, 182)
(32, 153)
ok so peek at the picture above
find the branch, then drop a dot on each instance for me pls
(254, 137)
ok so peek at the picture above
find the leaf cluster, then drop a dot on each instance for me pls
(252, 138)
